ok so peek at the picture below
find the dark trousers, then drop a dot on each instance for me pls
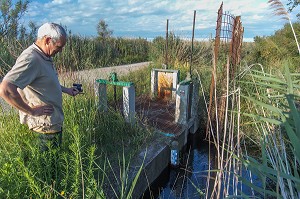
(50, 140)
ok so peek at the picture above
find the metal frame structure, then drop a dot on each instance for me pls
(228, 41)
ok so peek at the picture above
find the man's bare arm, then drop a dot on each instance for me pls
(10, 94)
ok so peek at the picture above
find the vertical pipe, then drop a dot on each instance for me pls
(192, 50)
(115, 97)
(166, 55)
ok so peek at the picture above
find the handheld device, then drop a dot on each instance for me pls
(78, 87)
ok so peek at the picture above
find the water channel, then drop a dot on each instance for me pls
(190, 179)
(178, 182)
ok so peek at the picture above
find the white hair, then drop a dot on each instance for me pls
(52, 30)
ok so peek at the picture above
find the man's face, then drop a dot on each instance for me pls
(57, 46)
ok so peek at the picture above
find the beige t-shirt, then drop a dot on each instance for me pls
(35, 76)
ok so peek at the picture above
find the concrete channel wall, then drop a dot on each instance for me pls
(154, 158)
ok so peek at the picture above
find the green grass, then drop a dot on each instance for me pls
(91, 140)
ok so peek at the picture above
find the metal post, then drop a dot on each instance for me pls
(192, 50)
(166, 55)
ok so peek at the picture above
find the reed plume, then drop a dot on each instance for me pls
(279, 10)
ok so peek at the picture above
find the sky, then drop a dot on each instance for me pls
(148, 18)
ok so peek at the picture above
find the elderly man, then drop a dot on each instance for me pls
(32, 85)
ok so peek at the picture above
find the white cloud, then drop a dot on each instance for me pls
(57, 3)
(60, 1)
(150, 16)
(257, 17)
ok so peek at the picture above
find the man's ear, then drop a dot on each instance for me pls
(47, 40)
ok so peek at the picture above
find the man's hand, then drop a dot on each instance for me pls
(10, 94)
(42, 110)
(73, 91)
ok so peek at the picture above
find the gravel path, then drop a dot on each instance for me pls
(90, 76)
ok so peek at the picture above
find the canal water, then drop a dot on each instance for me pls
(189, 180)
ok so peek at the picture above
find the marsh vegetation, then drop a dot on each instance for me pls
(262, 133)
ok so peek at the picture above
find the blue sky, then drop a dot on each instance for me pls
(147, 18)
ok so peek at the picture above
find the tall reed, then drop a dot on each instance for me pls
(280, 10)
(275, 113)
(88, 52)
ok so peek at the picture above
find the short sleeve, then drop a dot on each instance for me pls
(24, 71)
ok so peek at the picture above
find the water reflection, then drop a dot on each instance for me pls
(190, 179)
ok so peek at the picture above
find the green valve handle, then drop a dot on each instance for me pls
(113, 80)
(113, 77)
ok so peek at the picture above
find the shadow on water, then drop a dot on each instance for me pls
(189, 180)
